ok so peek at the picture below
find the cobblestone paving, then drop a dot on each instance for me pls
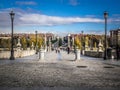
(51, 72)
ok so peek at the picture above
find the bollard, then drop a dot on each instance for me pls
(83, 52)
(77, 54)
(41, 54)
(112, 57)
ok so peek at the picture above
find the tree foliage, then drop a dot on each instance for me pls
(77, 42)
(24, 43)
(40, 41)
(60, 42)
(54, 41)
(5, 43)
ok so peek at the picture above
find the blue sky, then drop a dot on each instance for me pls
(59, 16)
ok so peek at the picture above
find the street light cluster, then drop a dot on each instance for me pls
(12, 14)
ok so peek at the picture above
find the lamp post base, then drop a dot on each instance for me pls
(12, 55)
(12, 58)
(105, 58)
(36, 53)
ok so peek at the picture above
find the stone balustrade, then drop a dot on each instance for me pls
(111, 53)
(17, 53)
(94, 54)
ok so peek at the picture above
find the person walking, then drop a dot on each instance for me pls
(59, 54)
(56, 50)
(68, 50)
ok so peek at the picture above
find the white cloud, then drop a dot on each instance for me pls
(32, 19)
(114, 20)
(25, 3)
(54, 20)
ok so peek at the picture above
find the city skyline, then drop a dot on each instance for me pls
(59, 16)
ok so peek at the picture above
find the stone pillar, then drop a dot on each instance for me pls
(18, 48)
(83, 52)
(32, 46)
(86, 48)
(42, 54)
(18, 45)
(86, 43)
(49, 44)
(95, 47)
(73, 41)
(100, 46)
(45, 39)
(77, 56)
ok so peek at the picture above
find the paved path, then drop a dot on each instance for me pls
(58, 74)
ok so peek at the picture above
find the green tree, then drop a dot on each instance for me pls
(60, 42)
(40, 42)
(54, 41)
(77, 42)
(24, 43)
(8, 41)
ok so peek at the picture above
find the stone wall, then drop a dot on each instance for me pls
(94, 54)
(17, 53)
(100, 54)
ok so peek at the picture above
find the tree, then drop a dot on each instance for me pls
(86, 41)
(8, 41)
(77, 42)
(24, 43)
(54, 41)
(40, 42)
(60, 42)
(5, 43)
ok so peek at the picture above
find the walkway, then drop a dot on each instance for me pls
(55, 74)
(51, 57)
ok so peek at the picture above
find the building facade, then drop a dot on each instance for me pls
(115, 41)
(115, 37)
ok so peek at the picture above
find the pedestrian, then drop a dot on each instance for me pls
(68, 50)
(59, 54)
(56, 50)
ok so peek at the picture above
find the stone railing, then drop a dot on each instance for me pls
(17, 53)
(111, 53)
(94, 54)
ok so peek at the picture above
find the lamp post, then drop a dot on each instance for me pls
(36, 43)
(82, 43)
(91, 46)
(117, 53)
(45, 42)
(82, 39)
(69, 40)
(12, 41)
(105, 51)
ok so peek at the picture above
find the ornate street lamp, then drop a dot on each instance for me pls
(82, 39)
(45, 41)
(105, 51)
(36, 43)
(12, 41)
(69, 40)
(117, 46)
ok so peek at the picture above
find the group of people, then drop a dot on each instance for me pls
(57, 50)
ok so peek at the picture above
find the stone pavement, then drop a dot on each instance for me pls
(55, 73)
(108, 61)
